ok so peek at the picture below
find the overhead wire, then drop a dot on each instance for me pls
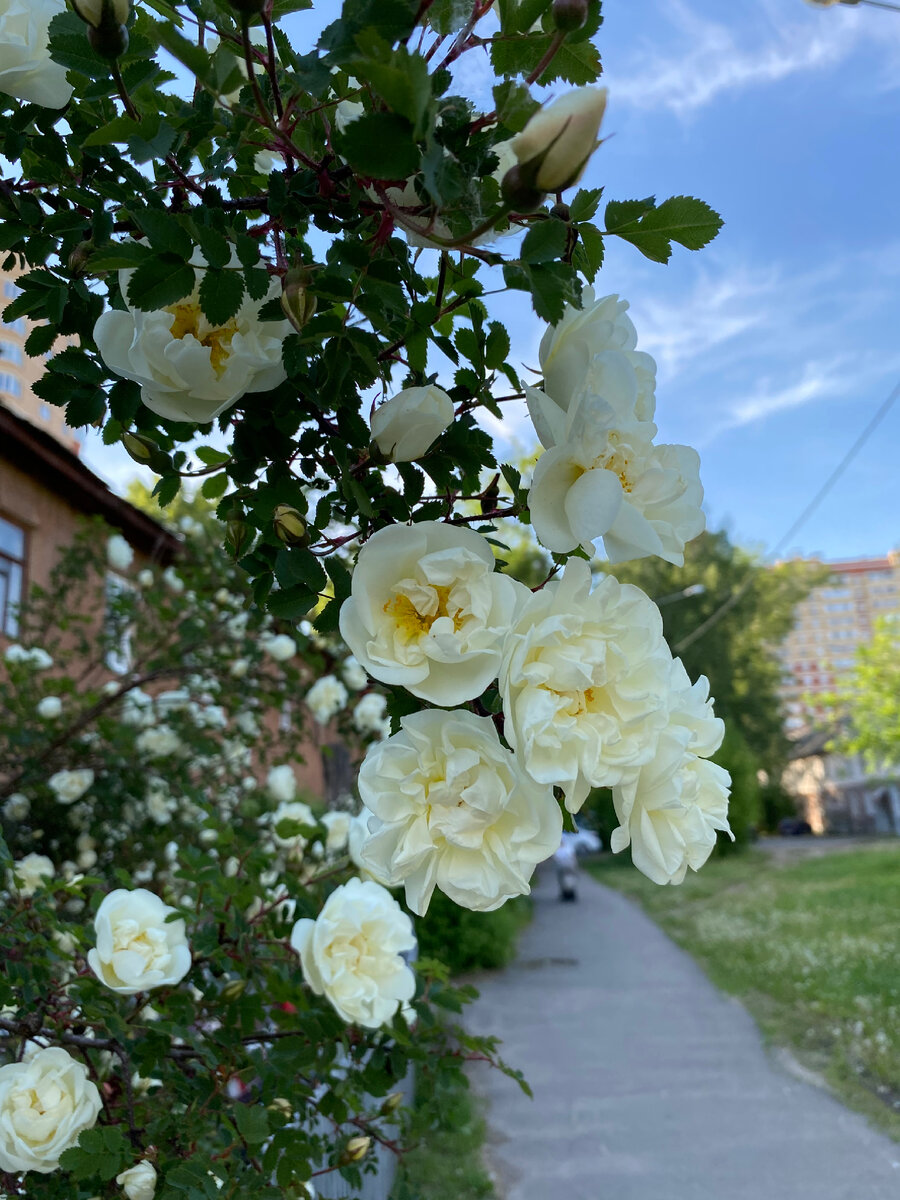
(737, 595)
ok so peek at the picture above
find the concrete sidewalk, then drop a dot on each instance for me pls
(648, 1083)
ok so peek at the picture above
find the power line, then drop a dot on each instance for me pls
(820, 495)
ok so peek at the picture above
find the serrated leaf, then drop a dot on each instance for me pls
(589, 251)
(621, 213)
(220, 295)
(40, 340)
(158, 281)
(553, 286)
(299, 565)
(686, 220)
(496, 348)
(211, 457)
(545, 241)
(257, 280)
(379, 146)
(167, 488)
(213, 245)
(585, 204)
(163, 231)
(402, 82)
(515, 105)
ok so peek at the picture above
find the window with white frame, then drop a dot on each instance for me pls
(12, 575)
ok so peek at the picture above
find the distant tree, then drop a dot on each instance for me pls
(869, 705)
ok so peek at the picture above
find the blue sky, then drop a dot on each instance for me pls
(777, 343)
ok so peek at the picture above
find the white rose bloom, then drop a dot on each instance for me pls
(354, 674)
(338, 826)
(247, 724)
(145, 578)
(405, 426)
(69, 786)
(568, 349)
(158, 742)
(326, 698)
(691, 710)
(26, 69)
(139, 1181)
(36, 658)
(281, 783)
(604, 477)
(369, 714)
(188, 369)
(670, 811)
(292, 810)
(429, 612)
(281, 647)
(30, 873)
(454, 809)
(46, 1101)
(93, 11)
(559, 139)
(49, 708)
(137, 949)
(170, 576)
(16, 807)
(137, 708)
(161, 804)
(119, 555)
(239, 668)
(352, 953)
(585, 682)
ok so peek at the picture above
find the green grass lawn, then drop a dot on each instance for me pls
(811, 948)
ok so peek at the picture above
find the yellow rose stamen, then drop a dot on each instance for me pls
(188, 320)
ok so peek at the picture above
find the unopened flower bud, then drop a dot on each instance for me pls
(102, 12)
(236, 530)
(145, 451)
(233, 990)
(290, 527)
(518, 190)
(297, 303)
(280, 1105)
(391, 1103)
(555, 145)
(569, 15)
(78, 259)
(356, 1149)
(110, 41)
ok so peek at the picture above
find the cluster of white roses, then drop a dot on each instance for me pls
(591, 694)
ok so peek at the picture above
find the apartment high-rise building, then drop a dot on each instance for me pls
(829, 625)
(19, 372)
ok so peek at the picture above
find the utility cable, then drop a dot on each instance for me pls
(820, 495)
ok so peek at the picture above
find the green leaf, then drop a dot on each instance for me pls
(119, 255)
(589, 251)
(213, 245)
(585, 204)
(299, 565)
(196, 59)
(221, 293)
(158, 281)
(402, 82)
(211, 457)
(379, 146)
(40, 340)
(552, 286)
(515, 105)
(576, 61)
(686, 220)
(119, 129)
(496, 350)
(215, 485)
(163, 231)
(167, 488)
(545, 241)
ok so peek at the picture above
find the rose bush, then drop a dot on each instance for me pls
(208, 259)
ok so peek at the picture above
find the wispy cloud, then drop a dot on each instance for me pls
(714, 57)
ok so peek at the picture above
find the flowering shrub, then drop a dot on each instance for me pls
(273, 272)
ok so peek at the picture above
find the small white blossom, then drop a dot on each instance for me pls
(281, 783)
(145, 578)
(69, 786)
(326, 698)
(16, 807)
(30, 873)
(139, 1181)
(281, 647)
(49, 708)
(119, 554)
(158, 742)
(354, 674)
